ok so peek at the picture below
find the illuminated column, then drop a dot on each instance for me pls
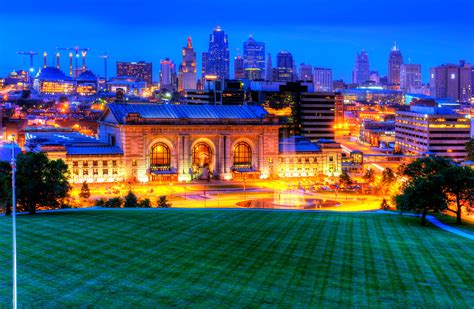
(183, 155)
(227, 154)
(221, 156)
(260, 163)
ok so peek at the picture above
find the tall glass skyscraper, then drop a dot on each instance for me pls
(254, 59)
(361, 72)
(187, 68)
(285, 66)
(218, 55)
(395, 61)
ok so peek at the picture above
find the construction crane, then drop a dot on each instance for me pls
(31, 54)
(78, 51)
(105, 57)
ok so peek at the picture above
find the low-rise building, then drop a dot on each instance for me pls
(149, 142)
(429, 130)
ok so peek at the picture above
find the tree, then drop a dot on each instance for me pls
(384, 205)
(388, 179)
(470, 150)
(131, 200)
(369, 175)
(100, 202)
(40, 182)
(422, 194)
(345, 179)
(459, 187)
(115, 202)
(436, 184)
(85, 192)
(144, 203)
(6, 187)
(163, 202)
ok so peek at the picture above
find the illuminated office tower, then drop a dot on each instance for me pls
(254, 59)
(218, 55)
(187, 68)
(361, 72)
(395, 61)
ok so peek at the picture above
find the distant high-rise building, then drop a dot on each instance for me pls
(254, 59)
(395, 60)
(239, 70)
(318, 115)
(361, 73)
(269, 68)
(141, 69)
(166, 74)
(205, 57)
(218, 56)
(410, 77)
(306, 72)
(284, 69)
(374, 77)
(322, 79)
(187, 68)
(451, 80)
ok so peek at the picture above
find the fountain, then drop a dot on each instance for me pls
(290, 198)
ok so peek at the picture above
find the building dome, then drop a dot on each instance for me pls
(87, 76)
(52, 74)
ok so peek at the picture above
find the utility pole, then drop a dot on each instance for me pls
(13, 165)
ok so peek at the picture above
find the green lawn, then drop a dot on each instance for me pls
(211, 258)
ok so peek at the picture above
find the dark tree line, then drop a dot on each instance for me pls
(436, 184)
(40, 182)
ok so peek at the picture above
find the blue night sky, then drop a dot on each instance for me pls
(323, 33)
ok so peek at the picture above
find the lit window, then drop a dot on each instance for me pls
(160, 158)
(242, 155)
(453, 76)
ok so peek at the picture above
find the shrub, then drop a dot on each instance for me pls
(100, 202)
(144, 203)
(115, 202)
(163, 202)
(131, 200)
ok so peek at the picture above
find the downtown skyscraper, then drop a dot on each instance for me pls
(254, 59)
(187, 68)
(395, 61)
(284, 71)
(217, 58)
(361, 72)
(167, 74)
(451, 81)
(239, 70)
(322, 79)
(410, 77)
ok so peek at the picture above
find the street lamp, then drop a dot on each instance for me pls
(13, 165)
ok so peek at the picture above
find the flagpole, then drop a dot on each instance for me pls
(13, 165)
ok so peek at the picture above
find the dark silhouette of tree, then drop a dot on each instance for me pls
(163, 202)
(40, 182)
(6, 187)
(131, 200)
(85, 192)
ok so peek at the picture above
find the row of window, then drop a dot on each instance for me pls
(94, 171)
(95, 163)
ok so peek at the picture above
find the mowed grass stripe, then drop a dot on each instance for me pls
(171, 258)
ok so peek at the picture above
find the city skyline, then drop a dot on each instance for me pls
(321, 43)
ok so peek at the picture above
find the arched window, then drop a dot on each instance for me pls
(160, 157)
(242, 155)
(202, 155)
